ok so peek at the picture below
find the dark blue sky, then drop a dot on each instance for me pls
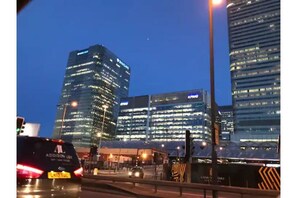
(165, 42)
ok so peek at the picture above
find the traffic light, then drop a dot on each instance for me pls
(93, 150)
(156, 156)
(20, 125)
(190, 146)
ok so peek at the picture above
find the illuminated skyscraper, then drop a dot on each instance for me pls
(95, 78)
(254, 42)
(165, 117)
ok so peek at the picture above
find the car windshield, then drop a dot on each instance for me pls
(46, 154)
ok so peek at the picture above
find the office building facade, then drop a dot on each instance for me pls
(165, 117)
(95, 79)
(254, 44)
(227, 127)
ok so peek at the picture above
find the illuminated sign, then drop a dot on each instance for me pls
(59, 149)
(123, 103)
(83, 52)
(121, 62)
(191, 96)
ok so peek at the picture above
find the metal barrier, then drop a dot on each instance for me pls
(204, 187)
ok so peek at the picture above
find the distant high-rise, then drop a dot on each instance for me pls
(165, 117)
(227, 128)
(96, 79)
(254, 43)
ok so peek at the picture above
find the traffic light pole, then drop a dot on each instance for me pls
(189, 170)
(188, 156)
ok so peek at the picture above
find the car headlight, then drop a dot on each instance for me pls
(129, 173)
(137, 174)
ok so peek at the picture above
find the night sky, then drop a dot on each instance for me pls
(165, 43)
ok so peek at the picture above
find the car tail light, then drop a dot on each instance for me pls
(58, 141)
(79, 172)
(27, 172)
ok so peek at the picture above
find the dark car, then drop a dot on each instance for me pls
(47, 168)
(136, 171)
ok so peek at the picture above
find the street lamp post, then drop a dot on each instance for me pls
(73, 104)
(212, 97)
(102, 127)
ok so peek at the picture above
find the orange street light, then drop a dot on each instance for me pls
(72, 104)
(144, 156)
(102, 127)
(216, 2)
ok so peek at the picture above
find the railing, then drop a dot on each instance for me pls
(204, 187)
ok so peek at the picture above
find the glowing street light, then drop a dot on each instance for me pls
(217, 2)
(72, 104)
(144, 156)
(110, 156)
(100, 134)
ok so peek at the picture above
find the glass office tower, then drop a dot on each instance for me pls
(254, 43)
(227, 128)
(165, 117)
(96, 79)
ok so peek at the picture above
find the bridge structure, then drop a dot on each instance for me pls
(252, 152)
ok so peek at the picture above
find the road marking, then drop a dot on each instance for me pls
(270, 177)
(191, 194)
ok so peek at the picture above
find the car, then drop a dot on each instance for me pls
(136, 171)
(47, 168)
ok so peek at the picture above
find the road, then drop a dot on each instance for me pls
(119, 190)
(95, 193)
(161, 193)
